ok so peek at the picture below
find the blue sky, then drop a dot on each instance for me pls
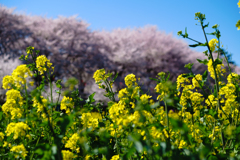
(169, 16)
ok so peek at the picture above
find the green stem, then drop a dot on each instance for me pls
(35, 146)
(215, 74)
(166, 110)
(34, 60)
(118, 152)
(109, 86)
(51, 95)
(194, 40)
(58, 98)
(59, 154)
(50, 81)
(26, 108)
(213, 130)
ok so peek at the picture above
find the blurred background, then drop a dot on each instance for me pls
(123, 37)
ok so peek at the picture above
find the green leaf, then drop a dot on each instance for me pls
(215, 26)
(168, 76)
(129, 153)
(138, 146)
(90, 98)
(218, 35)
(213, 33)
(179, 33)
(206, 25)
(186, 35)
(1, 115)
(204, 44)
(216, 62)
(115, 77)
(64, 123)
(237, 131)
(110, 103)
(189, 66)
(212, 157)
(58, 83)
(187, 75)
(204, 76)
(21, 57)
(212, 112)
(54, 149)
(193, 45)
(155, 105)
(205, 61)
(206, 53)
(154, 79)
(57, 91)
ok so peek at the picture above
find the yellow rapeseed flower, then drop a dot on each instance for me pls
(20, 74)
(144, 98)
(13, 104)
(115, 157)
(212, 44)
(196, 80)
(7, 82)
(67, 155)
(42, 64)
(40, 107)
(72, 142)
(99, 75)
(66, 104)
(130, 80)
(1, 136)
(90, 119)
(181, 82)
(211, 69)
(19, 129)
(19, 150)
(182, 144)
(233, 77)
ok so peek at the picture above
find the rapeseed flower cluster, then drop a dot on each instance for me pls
(1, 136)
(229, 99)
(67, 155)
(115, 157)
(18, 129)
(130, 80)
(100, 76)
(197, 80)
(19, 151)
(212, 44)
(42, 63)
(67, 104)
(40, 106)
(144, 98)
(219, 70)
(91, 119)
(17, 78)
(73, 143)
(182, 82)
(20, 74)
(13, 105)
(7, 82)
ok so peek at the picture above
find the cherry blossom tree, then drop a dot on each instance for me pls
(78, 52)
